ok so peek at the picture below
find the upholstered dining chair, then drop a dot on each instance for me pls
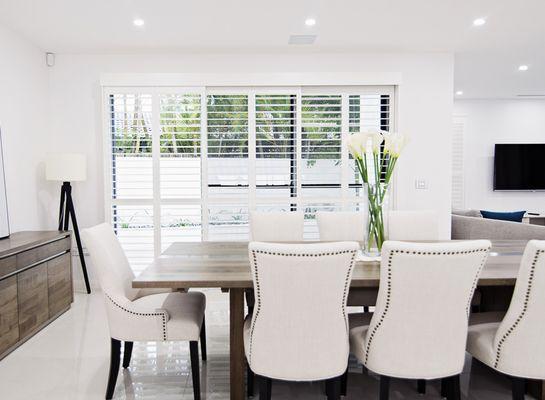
(413, 225)
(341, 225)
(347, 225)
(277, 226)
(514, 345)
(141, 315)
(419, 327)
(295, 334)
(274, 226)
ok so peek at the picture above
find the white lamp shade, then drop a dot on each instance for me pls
(66, 167)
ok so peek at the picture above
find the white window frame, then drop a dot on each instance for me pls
(344, 90)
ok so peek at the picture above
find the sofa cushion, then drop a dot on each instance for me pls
(515, 216)
(467, 213)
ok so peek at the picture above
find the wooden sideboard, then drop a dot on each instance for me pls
(35, 284)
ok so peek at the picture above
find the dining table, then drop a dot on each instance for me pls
(226, 266)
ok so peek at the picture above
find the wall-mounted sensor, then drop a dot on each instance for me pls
(50, 59)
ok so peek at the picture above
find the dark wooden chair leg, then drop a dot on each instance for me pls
(265, 388)
(519, 388)
(421, 386)
(115, 358)
(344, 382)
(195, 369)
(454, 388)
(384, 393)
(445, 384)
(127, 353)
(249, 381)
(333, 388)
(203, 340)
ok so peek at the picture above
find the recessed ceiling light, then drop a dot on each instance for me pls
(523, 68)
(310, 22)
(479, 22)
(459, 92)
(138, 22)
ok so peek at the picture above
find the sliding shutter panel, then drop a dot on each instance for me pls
(276, 158)
(180, 168)
(132, 175)
(228, 166)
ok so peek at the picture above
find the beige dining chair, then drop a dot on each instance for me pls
(514, 345)
(413, 225)
(277, 226)
(341, 225)
(293, 334)
(141, 315)
(419, 328)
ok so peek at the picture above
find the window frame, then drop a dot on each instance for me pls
(156, 202)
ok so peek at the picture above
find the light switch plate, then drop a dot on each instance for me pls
(420, 184)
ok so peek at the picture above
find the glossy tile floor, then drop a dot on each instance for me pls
(70, 358)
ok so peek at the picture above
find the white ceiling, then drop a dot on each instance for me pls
(487, 57)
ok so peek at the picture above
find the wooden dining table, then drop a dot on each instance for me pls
(226, 266)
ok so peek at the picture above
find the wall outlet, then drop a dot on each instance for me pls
(420, 184)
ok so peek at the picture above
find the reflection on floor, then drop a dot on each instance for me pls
(69, 360)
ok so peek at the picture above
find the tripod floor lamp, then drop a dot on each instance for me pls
(66, 168)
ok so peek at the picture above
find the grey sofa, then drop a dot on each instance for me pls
(469, 224)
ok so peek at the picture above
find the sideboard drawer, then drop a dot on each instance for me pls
(9, 318)
(38, 254)
(32, 299)
(59, 284)
(8, 265)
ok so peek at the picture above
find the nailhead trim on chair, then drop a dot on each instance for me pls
(389, 283)
(144, 315)
(257, 288)
(524, 308)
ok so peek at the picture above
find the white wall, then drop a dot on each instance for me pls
(24, 124)
(498, 121)
(424, 111)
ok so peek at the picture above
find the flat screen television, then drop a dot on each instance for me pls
(519, 167)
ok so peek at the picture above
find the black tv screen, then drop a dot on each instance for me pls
(519, 167)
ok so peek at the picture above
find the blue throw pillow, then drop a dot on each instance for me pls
(515, 216)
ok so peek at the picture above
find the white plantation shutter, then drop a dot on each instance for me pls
(228, 166)
(189, 164)
(130, 129)
(458, 195)
(180, 167)
(276, 138)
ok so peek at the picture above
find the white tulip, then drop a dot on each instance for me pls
(376, 141)
(357, 144)
(394, 144)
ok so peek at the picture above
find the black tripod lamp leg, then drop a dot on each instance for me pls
(62, 208)
(70, 208)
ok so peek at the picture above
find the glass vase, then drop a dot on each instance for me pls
(377, 218)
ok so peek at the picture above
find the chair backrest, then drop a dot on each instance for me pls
(279, 226)
(519, 344)
(299, 329)
(419, 327)
(413, 225)
(343, 225)
(109, 260)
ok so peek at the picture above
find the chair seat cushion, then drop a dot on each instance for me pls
(359, 325)
(185, 311)
(480, 341)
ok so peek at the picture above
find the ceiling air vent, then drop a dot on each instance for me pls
(531, 95)
(302, 39)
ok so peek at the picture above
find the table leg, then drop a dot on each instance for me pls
(236, 324)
